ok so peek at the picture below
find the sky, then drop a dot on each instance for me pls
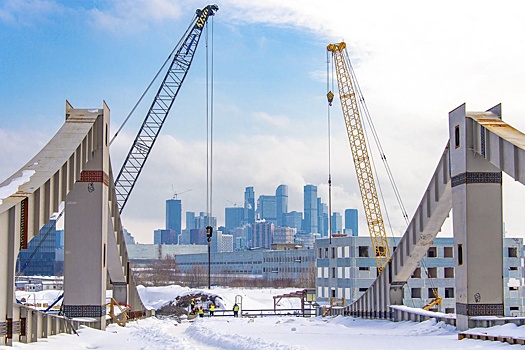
(273, 332)
(415, 62)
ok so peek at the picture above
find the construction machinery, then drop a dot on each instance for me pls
(162, 103)
(356, 137)
(351, 99)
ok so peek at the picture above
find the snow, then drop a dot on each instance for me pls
(261, 333)
(12, 187)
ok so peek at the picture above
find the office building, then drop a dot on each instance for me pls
(267, 209)
(190, 220)
(263, 234)
(174, 215)
(351, 222)
(281, 195)
(284, 235)
(310, 209)
(233, 217)
(337, 223)
(39, 257)
(294, 219)
(249, 205)
(165, 237)
(322, 218)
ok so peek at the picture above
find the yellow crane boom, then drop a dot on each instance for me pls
(363, 167)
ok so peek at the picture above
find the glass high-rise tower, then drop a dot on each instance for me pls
(281, 197)
(249, 205)
(310, 209)
(351, 222)
(174, 215)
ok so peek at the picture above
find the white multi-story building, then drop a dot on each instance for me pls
(347, 267)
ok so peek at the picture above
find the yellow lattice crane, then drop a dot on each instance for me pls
(363, 167)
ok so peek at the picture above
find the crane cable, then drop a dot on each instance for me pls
(329, 149)
(151, 83)
(209, 127)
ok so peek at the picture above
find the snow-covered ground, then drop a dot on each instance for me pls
(273, 332)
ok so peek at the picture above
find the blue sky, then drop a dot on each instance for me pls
(415, 62)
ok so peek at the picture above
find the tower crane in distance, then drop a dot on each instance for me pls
(161, 105)
(356, 137)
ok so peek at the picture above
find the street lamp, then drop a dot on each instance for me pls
(209, 233)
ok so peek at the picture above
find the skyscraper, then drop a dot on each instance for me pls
(234, 217)
(293, 219)
(351, 222)
(322, 218)
(174, 215)
(267, 208)
(337, 223)
(190, 220)
(281, 196)
(310, 209)
(249, 205)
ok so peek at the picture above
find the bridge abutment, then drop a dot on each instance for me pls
(86, 231)
(477, 224)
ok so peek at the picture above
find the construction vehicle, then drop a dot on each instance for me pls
(356, 137)
(351, 98)
(162, 103)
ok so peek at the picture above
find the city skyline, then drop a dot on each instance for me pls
(414, 66)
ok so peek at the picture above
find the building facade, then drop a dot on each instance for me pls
(249, 205)
(351, 222)
(174, 215)
(281, 197)
(310, 209)
(347, 267)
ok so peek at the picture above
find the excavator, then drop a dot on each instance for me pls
(350, 98)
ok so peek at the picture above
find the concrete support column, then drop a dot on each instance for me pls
(86, 232)
(477, 223)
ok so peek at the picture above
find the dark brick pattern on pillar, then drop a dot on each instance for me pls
(476, 178)
(85, 310)
(479, 309)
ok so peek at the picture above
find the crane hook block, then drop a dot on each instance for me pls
(330, 96)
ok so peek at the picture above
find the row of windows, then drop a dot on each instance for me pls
(364, 252)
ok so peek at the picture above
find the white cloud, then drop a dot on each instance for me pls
(273, 121)
(134, 15)
(27, 12)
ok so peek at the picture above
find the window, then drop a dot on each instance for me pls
(333, 252)
(450, 310)
(415, 292)
(417, 273)
(430, 293)
(514, 308)
(449, 292)
(364, 268)
(326, 252)
(448, 252)
(449, 272)
(363, 252)
(320, 253)
(432, 272)
(432, 252)
(460, 254)
(456, 136)
(513, 252)
(513, 268)
(513, 288)
(362, 289)
(333, 272)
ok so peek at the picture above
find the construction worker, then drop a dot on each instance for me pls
(201, 312)
(192, 306)
(212, 309)
(236, 310)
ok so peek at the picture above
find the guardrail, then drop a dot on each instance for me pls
(263, 312)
